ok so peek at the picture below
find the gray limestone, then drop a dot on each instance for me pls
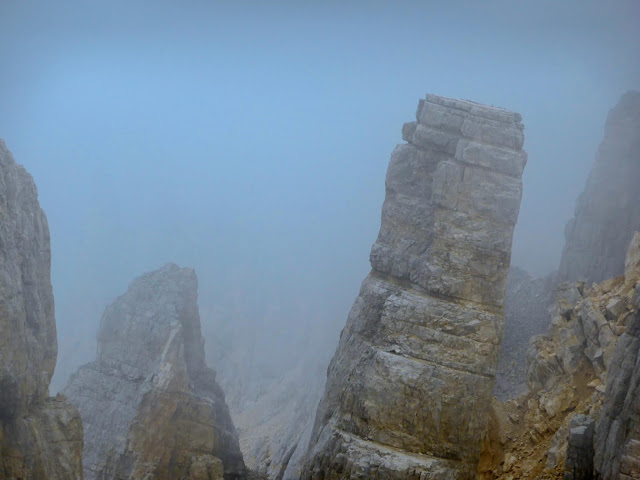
(150, 406)
(28, 344)
(409, 388)
(40, 437)
(618, 433)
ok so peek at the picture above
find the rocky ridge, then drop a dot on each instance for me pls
(40, 437)
(607, 213)
(584, 366)
(409, 388)
(150, 406)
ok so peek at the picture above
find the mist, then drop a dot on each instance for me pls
(250, 141)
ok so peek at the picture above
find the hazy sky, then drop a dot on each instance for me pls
(250, 139)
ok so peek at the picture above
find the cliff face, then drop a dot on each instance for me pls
(40, 437)
(607, 213)
(28, 344)
(150, 406)
(409, 388)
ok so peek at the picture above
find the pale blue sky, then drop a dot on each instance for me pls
(250, 139)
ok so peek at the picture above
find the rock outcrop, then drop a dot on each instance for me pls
(607, 212)
(525, 315)
(586, 366)
(618, 434)
(151, 408)
(409, 388)
(40, 437)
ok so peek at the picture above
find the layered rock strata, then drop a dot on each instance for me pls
(150, 406)
(409, 388)
(607, 213)
(40, 437)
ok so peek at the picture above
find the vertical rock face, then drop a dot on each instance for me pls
(409, 388)
(607, 213)
(150, 406)
(28, 344)
(40, 437)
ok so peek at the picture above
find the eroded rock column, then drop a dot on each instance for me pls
(409, 388)
(151, 408)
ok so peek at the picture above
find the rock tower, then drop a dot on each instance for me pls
(409, 387)
(151, 408)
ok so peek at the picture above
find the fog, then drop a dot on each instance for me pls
(250, 140)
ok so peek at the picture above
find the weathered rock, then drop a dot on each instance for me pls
(44, 444)
(28, 344)
(607, 213)
(618, 434)
(525, 315)
(585, 349)
(150, 406)
(579, 462)
(409, 388)
(579, 332)
(40, 437)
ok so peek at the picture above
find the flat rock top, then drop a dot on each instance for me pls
(487, 111)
